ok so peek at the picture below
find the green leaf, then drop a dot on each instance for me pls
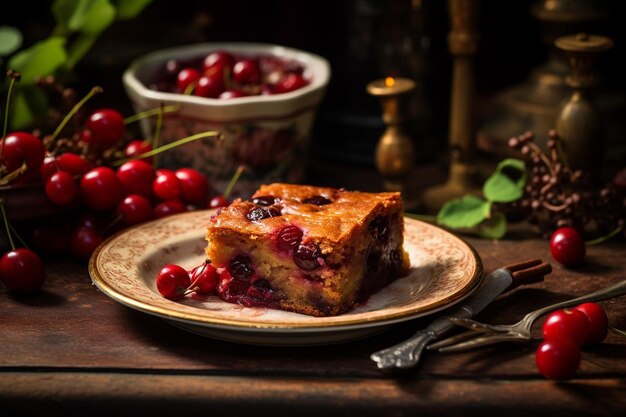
(464, 212)
(81, 45)
(28, 104)
(86, 16)
(70, 13)
(129, 9)
(507, 183)
(493, 227)
(100, 16)
(41, 59)
(10, 40)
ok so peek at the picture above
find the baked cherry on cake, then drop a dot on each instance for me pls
(311, 250)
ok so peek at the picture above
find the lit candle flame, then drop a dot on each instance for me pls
(390, 82)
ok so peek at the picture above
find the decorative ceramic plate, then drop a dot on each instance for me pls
(444, 270)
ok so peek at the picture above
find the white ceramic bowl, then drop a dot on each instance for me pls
(269, 134)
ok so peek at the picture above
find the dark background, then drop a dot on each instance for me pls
(363, 40)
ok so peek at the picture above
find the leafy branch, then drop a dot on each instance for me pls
(79, 24)
(476, 214)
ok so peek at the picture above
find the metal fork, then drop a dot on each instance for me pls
(482, 334)
(408, 352)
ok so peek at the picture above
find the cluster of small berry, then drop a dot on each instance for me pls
(102, 198)
(558, 196)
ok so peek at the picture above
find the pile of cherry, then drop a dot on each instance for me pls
(103, 199)
(565, 331)
(225, 75)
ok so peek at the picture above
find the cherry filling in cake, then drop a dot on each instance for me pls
(311, 250)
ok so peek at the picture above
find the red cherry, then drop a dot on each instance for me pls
(106, 126)
(247, 71)
(67, 162)
(218, 60)
(22, 271)
(288, 238)
(218, 201)
(138, 147)
(172, 281)
(136, 177)
(194, 186)
(203, 279)
(169, 207)
(166, 185)
(86, 136)
(48, 167)
(84, 241)
(185, 77)
(567, 246)
(598, 320)
(569, 323)
(61, 188)
(101, 188)
(134, 209)
(73, 164)
(224, 279)
(210, 87)
(558, 358)
(289, 82)
(22, 147)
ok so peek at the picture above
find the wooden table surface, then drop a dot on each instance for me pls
(71, 349)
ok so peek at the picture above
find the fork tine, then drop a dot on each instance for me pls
(472, 324)
(479, 341)
(453, 339)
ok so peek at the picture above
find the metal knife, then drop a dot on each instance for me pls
(407, 353)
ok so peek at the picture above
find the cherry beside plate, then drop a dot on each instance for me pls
(444, 270)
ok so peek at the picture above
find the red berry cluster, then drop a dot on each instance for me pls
(564, 332)
(226, 75)
(106, 198)
(174, 282)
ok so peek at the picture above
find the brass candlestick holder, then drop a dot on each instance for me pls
(462, 43)
(579, 122)
(395, 150)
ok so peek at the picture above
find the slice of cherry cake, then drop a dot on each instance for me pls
(311, 250)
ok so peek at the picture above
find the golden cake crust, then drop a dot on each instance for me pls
(333, 223)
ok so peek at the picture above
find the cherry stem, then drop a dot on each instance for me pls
(13, 174)
(234, 180)
(6, 225)
(157, 130)
(193, 284)
(152, 112)
(605, 237)
(71, 113)
(115, 221)
(17, 235)
(189, 89)
(617, 331)
(14, 76)
(169, 146)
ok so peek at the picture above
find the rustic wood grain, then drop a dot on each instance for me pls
(107, 394)
(71, 347)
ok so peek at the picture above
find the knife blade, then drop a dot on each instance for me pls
(407, 353)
